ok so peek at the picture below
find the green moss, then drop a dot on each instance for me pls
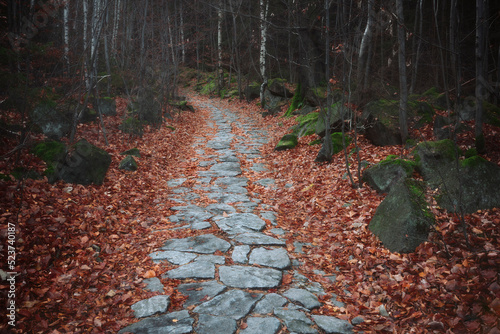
(133, 151)
(407, 165)
(311, 117)
(473, 161)
(50, 151)
(337, 142)
(315, 142)
(319, 91)
(209, 87)
(132, 125)
(23, 173)
(297, 101)
(417, 191)
(431, 92)
(446, 147)
(470, 153)
(287, 142)
(4, 177)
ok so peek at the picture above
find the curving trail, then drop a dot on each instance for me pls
(232, 278)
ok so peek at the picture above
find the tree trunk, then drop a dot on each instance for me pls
(364, 55)
(264, 7)
(403, 90)
(418, 43)
(220, 72)
(481, 55)
(66, 34)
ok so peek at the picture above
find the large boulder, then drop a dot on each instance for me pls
(277, 87)
(273, 103)
(252, 91)
(435, 159)
(338, 114)
(402, 221)
(385, 175)
(128, 163)
(86, 164)
(107, 106)
(337, 146)
(473, 187)
(287, 142)
(315, 96)
(307, 124)
(51, 122)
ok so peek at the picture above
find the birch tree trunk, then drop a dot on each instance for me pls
(364, 56)
(264, 7)
(66, 34)
(116, 24)
(403, 89)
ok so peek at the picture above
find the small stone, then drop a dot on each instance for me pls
(269, 303)
(266, 325)
(332, 325)
(275, 258)
(303, 297)
(235, 304)
(209, 324)
(240, 254)
(151, 306)
(250, 277)
(153, 284)
(200, 292)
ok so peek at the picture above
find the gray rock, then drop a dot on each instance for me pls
(208, 324)
(52, 123)
(204, 244)
(200, 225)
(174, 257)
(240, 254)
(189, 214)
(226, 169)
(150, 306)
(332, 325)
(215, 259)
(303, 297)
(221, 208)
(199, 292)
(278, 231)
(235, 304)
(172, 323)
(269, 215)
(295, 321)
(197, 269)
(128, 163)
(249, 277)
(402, 221)
(153, 284)
(241, 223)
(232, 181)
(265, 182)
(258, 239)
(86, 165)
(266, 325)
(275, 258)
(267, 304)
(383, 176)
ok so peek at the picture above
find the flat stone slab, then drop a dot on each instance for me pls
(303, 297)
(275, 258)
(254, 238)
(250, 277)
(332, 324)
(232, 181)
(240, 223)
(240, 254)
(295, 321)
(174, 257)
(267, 304)
(259, 325)
(221, 208)
(153, 284)
(197, 269)
(150, 306)
(204, 244)
(235, 304)
(209, 324)
(265, 182)
(175, 322)
(189, 214)
(229, 168)
(200, 292)
(176, 182)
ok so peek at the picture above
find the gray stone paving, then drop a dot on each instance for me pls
(230, 297)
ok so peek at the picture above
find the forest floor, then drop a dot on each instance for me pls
(81, 253)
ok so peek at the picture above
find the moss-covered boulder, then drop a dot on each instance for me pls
(403, 220)
(53, 153)
(133, 151)
(338, 114)
(107, 106)
(326, 152)
(85, 164)
(474, 186)
(51, 122)
(434, 159)
(277, 87)
(316, 96)
(252, 91)
(380, 120)
(88, 115)
(383, 176)
(128, 163)
(287, 142)
(132, 126)
(307, 124)
(273, 103)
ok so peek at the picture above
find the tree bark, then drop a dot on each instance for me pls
(481, 55)
(403, 89)
(264, 7)
(363, 58)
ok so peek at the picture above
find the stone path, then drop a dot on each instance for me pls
(231, 298)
